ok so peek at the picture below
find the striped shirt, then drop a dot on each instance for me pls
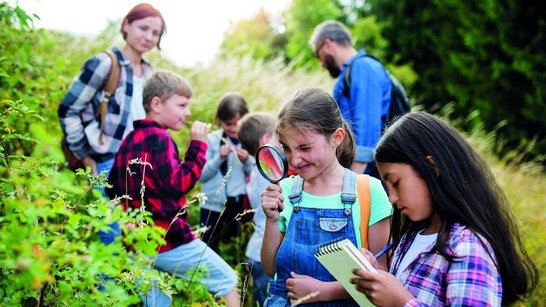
(167, 179)
(470, 279)
(78, 114)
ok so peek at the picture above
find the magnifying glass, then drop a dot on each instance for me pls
(271, 163)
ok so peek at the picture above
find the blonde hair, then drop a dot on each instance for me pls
(164, 84)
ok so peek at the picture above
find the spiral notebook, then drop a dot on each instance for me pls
(340, 258)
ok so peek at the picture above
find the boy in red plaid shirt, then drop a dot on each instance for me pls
(150, 151)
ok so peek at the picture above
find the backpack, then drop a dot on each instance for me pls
(363, 190)
(400, 103)
(73, 162)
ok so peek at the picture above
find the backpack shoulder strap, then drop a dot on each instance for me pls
(113, 76)
(109, 90)
(347, 75)
(364, 198)
(295, 193)
(371, 56)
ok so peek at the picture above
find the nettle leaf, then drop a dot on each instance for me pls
(180, 284)
(64, 287)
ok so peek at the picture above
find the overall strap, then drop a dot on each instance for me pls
(364, 198)
(348, 196)
(295, 193)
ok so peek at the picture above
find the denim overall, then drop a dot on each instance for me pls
(308, 228)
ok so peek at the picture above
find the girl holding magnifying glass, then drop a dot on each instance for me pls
(318, 205)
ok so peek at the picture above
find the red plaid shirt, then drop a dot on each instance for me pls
(167, 178)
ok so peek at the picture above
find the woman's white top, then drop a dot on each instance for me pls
(137, 109)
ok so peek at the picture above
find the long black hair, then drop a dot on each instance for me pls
(463, 190)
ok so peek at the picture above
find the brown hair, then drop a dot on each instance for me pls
(164, 84)
(314, 108)
(141, 11)
(230, 105)
(252, 127)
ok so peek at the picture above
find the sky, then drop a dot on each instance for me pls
(195, 28)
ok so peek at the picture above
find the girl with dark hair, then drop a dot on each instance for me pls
(458, 243)
(318, 205)
(224, 175)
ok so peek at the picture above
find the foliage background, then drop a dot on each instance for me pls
(488, 83)
(487, 56)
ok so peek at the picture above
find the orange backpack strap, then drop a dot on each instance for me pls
(110, 87)
(363, 189)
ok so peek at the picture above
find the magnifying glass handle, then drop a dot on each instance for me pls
(272, 200)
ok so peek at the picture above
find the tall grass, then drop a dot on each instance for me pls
(266, 85)
(523, 184)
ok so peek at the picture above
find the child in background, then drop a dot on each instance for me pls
(224, 175)
(318, 206)
(458, 244)
(167, 180)
(257, 129)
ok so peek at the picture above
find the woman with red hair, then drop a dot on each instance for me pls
(93, 138)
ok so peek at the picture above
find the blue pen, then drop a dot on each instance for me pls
(384, 250)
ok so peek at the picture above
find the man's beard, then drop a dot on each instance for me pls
(331, 66)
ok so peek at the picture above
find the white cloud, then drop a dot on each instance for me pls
(195, 28)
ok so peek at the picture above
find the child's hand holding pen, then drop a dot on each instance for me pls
(373, 258)
(381, 287)
(383, 251)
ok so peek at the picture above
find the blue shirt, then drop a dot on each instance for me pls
(369, 99)
(214, 184)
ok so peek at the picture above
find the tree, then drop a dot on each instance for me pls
(487, 56)
(255, 37)
(301, 19)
